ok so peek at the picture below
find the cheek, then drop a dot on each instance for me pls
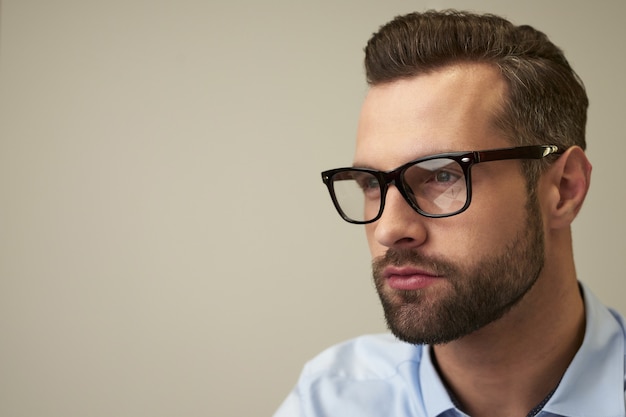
(491, 222)
(501, 220)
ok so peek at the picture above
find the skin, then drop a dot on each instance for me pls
(508, 366)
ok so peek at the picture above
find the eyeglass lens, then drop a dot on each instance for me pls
(436, 186)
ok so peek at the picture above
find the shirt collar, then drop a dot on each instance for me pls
(593, 384)
(436, 397)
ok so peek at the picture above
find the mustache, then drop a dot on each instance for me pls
(407, 257)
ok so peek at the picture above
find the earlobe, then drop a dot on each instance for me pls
(569, 178)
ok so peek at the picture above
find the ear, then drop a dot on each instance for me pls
(568, 182)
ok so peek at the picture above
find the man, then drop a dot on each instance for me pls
(469, 170)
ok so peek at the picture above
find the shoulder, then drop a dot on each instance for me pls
(365, 357)
(370, 376)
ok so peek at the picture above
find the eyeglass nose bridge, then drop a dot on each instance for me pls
(395, 178)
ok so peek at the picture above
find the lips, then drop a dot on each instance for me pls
(409, 278)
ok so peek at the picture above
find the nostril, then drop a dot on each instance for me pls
(407, 243)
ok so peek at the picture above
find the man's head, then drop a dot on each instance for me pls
(545, 101)
(446, 83)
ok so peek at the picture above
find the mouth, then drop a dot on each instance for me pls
(409, 278)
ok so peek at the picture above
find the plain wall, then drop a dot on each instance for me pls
(166, 244)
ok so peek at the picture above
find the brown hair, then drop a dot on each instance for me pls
(547, 102)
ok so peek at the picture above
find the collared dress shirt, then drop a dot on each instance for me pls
(380, 376)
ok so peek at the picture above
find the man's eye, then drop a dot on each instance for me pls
(445, 176)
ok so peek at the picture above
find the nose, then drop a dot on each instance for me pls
(399, 226)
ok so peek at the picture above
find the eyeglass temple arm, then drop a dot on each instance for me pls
(522, 152)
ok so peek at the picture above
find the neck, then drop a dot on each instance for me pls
(510, 366)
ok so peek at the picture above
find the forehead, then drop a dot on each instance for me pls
(451, 109)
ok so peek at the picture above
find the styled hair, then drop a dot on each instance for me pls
(546, 102)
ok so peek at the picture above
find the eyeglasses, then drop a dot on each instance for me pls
(434, 186)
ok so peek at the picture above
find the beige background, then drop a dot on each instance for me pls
(167, 247)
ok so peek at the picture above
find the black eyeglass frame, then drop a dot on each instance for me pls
(465, 159)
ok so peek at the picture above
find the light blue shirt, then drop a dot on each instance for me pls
(380, 376)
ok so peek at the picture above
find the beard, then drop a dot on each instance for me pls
(476, 295)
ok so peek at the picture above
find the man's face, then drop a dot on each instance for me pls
(441, 279)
